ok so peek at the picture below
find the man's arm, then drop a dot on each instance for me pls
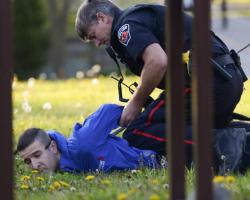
(155, 66)
(98, 125)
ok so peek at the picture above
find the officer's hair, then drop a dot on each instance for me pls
(29, 136)
(86, 14)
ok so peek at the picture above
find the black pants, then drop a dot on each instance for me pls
(148, 130)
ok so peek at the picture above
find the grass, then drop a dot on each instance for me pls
(58, 105)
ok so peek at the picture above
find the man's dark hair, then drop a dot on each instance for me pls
(86, 14)
(29, 136)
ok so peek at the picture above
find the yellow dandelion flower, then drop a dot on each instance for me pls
(25, 178)
(155, 182)
(105, 182)
(64, 184)
(40, 179)
(219, 179)
(132, 191)
(57, 185)
(34, 171)
(122, 196)
(230, 179)
(154, 197)
(24, 187)
(51, 188)
(89, 178)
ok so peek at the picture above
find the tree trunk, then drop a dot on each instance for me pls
(58, 14)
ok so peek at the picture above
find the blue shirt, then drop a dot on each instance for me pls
(91, 147)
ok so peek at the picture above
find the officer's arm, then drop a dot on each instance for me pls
(155, 65)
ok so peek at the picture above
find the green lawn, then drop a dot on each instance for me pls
(58, 105)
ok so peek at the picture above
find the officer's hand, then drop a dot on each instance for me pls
(130, 112)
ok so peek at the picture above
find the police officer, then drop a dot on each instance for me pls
(137, 36)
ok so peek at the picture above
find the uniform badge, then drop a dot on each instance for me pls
(124, 34)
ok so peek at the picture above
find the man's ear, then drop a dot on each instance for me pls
(101, 17)
(53, 147)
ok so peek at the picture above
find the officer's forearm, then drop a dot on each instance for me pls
(152, 74)
(154, 69)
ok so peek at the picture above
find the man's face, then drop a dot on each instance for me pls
(100, 32)
(41, 157)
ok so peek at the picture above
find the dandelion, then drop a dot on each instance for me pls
(31, 82)
(51, 188)
(89, 178)
(57, 185)
(105, 182)
(132, 191)
(166, 185)
(94, 81)
(26, 107)
(47, 106)
(154, 197)
(25, 178)
(72, 189)
(80, 75)
(218, 179)
(230, 179)
(155, 182)
(34, 171)
(24, 187)
(122, 196)
(64, 184)
(40, 179)
(133, 171)
(96, 68)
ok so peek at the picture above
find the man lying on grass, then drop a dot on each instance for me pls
(91, 147)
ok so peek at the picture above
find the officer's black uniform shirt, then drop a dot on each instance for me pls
(135, 28)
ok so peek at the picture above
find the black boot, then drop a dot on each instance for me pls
(229, 144)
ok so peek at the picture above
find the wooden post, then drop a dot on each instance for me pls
(6, 183)
(175, 99)
(202, 99)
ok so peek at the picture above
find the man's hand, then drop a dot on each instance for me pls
(130, 112)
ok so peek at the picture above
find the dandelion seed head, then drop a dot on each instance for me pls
(26, 107)
(31, 82)
(47, 106)
(80, 75)
(94, 81)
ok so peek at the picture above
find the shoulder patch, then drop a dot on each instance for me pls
(124, 34)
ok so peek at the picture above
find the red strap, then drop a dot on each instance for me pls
(160, 139)
(152, 112)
